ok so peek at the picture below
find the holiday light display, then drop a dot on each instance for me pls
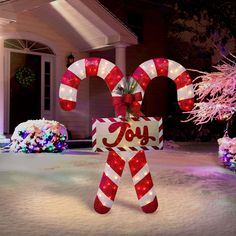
(170, 69)
(127, 95)
(227, 152)
(35, 136)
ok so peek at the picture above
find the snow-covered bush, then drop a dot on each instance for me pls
(39, 136)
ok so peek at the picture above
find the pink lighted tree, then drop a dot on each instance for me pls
(216, 94)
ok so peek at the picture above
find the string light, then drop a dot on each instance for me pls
(39, 136)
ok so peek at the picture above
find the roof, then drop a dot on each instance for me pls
(86, 23)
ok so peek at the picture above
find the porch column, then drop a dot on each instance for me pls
(1, 89)
(121, 56)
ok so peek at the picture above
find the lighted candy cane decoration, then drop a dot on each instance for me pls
(143, 75)
(137, 161)
(68, 96)
(163, 67)
(83, 68)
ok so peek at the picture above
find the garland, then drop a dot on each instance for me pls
(25, 76)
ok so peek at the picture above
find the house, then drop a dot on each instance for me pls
(38, 36)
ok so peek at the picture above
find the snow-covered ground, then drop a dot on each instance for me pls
(52, 194)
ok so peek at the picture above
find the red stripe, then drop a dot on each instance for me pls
(91, 66)
(144, 148)
(67, 105)
(160, 127)
(161, 66)
(141, 77)
(133, 148)
(108, 187)
(101, 120)
(116, 162)
(99, 207)
(160, 139)
(137, 163)
(94, 143)
(112, 119)
(183, 80)
(114, 77)
(144, 185)
(94, 131)
(99, 150)
(145, 118)
(121, 149)
(70, 79)
(186, 104)
(151, 207)
(155, 147)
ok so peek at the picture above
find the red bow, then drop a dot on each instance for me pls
(128, 103)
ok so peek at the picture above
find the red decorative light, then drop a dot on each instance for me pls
(91, 65)
(142, 77)
(183, 80)
(67, 105)
(70, 79)
(161, 66)
(186, 104)
(113, 78)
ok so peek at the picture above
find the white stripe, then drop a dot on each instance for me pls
(111, 174)
(161, 133)
(141, 174)
(93, 137)
(78, 68)
(150, 68)
(185, 92)
(104, 68)
(127, 155)
(68, 93)
(161, 144)
(174, 69)
(148, 197)
(106, 201)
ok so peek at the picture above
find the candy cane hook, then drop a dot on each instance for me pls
(80, 70)
(150, 69)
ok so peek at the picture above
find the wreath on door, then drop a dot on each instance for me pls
(25, 76)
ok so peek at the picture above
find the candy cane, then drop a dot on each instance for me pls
(83, 68)
(109, 182)
(171, 69)
(116, 161)
(68, 94)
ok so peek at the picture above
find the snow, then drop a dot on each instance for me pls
(52, 194)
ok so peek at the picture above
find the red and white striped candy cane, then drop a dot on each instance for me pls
(171, 69)
(83, 68)
(141, 176)
(109, 183)
(143, 183)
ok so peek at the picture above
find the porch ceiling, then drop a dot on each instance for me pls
(86, 24)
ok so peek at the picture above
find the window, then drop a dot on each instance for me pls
(27, 46)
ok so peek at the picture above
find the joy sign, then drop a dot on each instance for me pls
(115, 134)
(126, 140)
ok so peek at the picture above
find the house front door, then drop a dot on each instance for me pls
(25, 97)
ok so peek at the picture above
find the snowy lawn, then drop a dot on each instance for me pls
(52, 194)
